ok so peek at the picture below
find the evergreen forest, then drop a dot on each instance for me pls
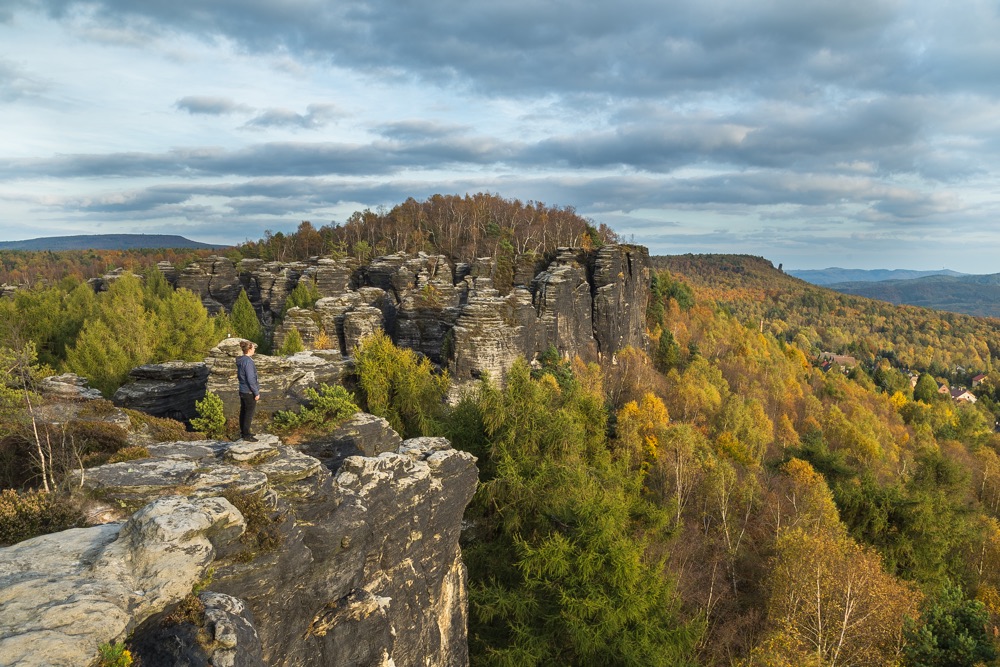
(726, 496)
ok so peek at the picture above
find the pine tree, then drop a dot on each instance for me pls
(244, 320)
(99, 357)
(185, 331)
(399, 386)
(292, 343)
(120, 336)
(155, 287)
(304, 295)
(559, 567)
(211, 419)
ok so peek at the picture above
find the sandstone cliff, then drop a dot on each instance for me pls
(348, 559)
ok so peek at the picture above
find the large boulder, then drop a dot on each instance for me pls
(283, 380)
(363, 566)
(62, 595)
(165, 390)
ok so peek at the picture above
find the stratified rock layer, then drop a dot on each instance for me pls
(581, 303)
(365, 569)
(169, 390)
(62, 595)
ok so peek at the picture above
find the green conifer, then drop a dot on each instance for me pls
(120, 336)
(211, 419)
(292, 343)
(244, 320)
(185, 331)
(304, 295)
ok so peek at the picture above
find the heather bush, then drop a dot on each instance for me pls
(129, 454)
(263, 531)
(27, 514)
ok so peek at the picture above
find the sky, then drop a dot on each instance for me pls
(814, 133)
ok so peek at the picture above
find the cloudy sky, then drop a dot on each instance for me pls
(815, 133)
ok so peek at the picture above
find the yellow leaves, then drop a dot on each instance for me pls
(729, 446)
(640, 426)
(898, 400)
(785, 433)
(811, 500)
(322, 341)
(829, 597)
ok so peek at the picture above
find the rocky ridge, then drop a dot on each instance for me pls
(590, 304)
(361, 565)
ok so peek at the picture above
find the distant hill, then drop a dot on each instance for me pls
(759, 295)
(106, 242)
(967, 294)
(837, 275)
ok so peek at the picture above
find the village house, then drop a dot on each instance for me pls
(828, 360)
(962, 395)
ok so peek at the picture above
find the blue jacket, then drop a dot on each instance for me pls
(246, 375)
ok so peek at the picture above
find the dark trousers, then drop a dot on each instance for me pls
(247, 406)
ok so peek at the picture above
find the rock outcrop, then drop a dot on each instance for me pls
(165, 390)
(361, 565)
(586, 303)
(283, 380)
(68, 386)
(62, 595)
(214, 279)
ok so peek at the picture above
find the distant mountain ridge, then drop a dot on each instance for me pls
(967, 294)
(836, 274)
(106, 242)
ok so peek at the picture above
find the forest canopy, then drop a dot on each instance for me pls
(720, 497)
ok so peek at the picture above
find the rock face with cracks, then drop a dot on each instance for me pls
(579, 302)
(62, 595)
(361, 565)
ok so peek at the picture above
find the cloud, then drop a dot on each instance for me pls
(420, 130)
(316, 116)
(16, 82)
(212, 106)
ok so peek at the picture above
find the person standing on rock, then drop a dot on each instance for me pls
(246, 375)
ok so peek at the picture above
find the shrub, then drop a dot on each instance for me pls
(189, 610)
(114, 655)
(161, 429)
(263, 531)
(400, 385)
(24, 515)
(129, 454)
(98, 437)
(322, 341)
(292, 343)
(211, 419)
(304, 295)
(327, 408)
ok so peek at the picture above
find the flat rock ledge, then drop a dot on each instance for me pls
(199, 469)
(62, 595)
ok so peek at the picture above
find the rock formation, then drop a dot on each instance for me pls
(361, 565)
(63, 594)
(283, 380)
(590, 304)
(165, 390)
